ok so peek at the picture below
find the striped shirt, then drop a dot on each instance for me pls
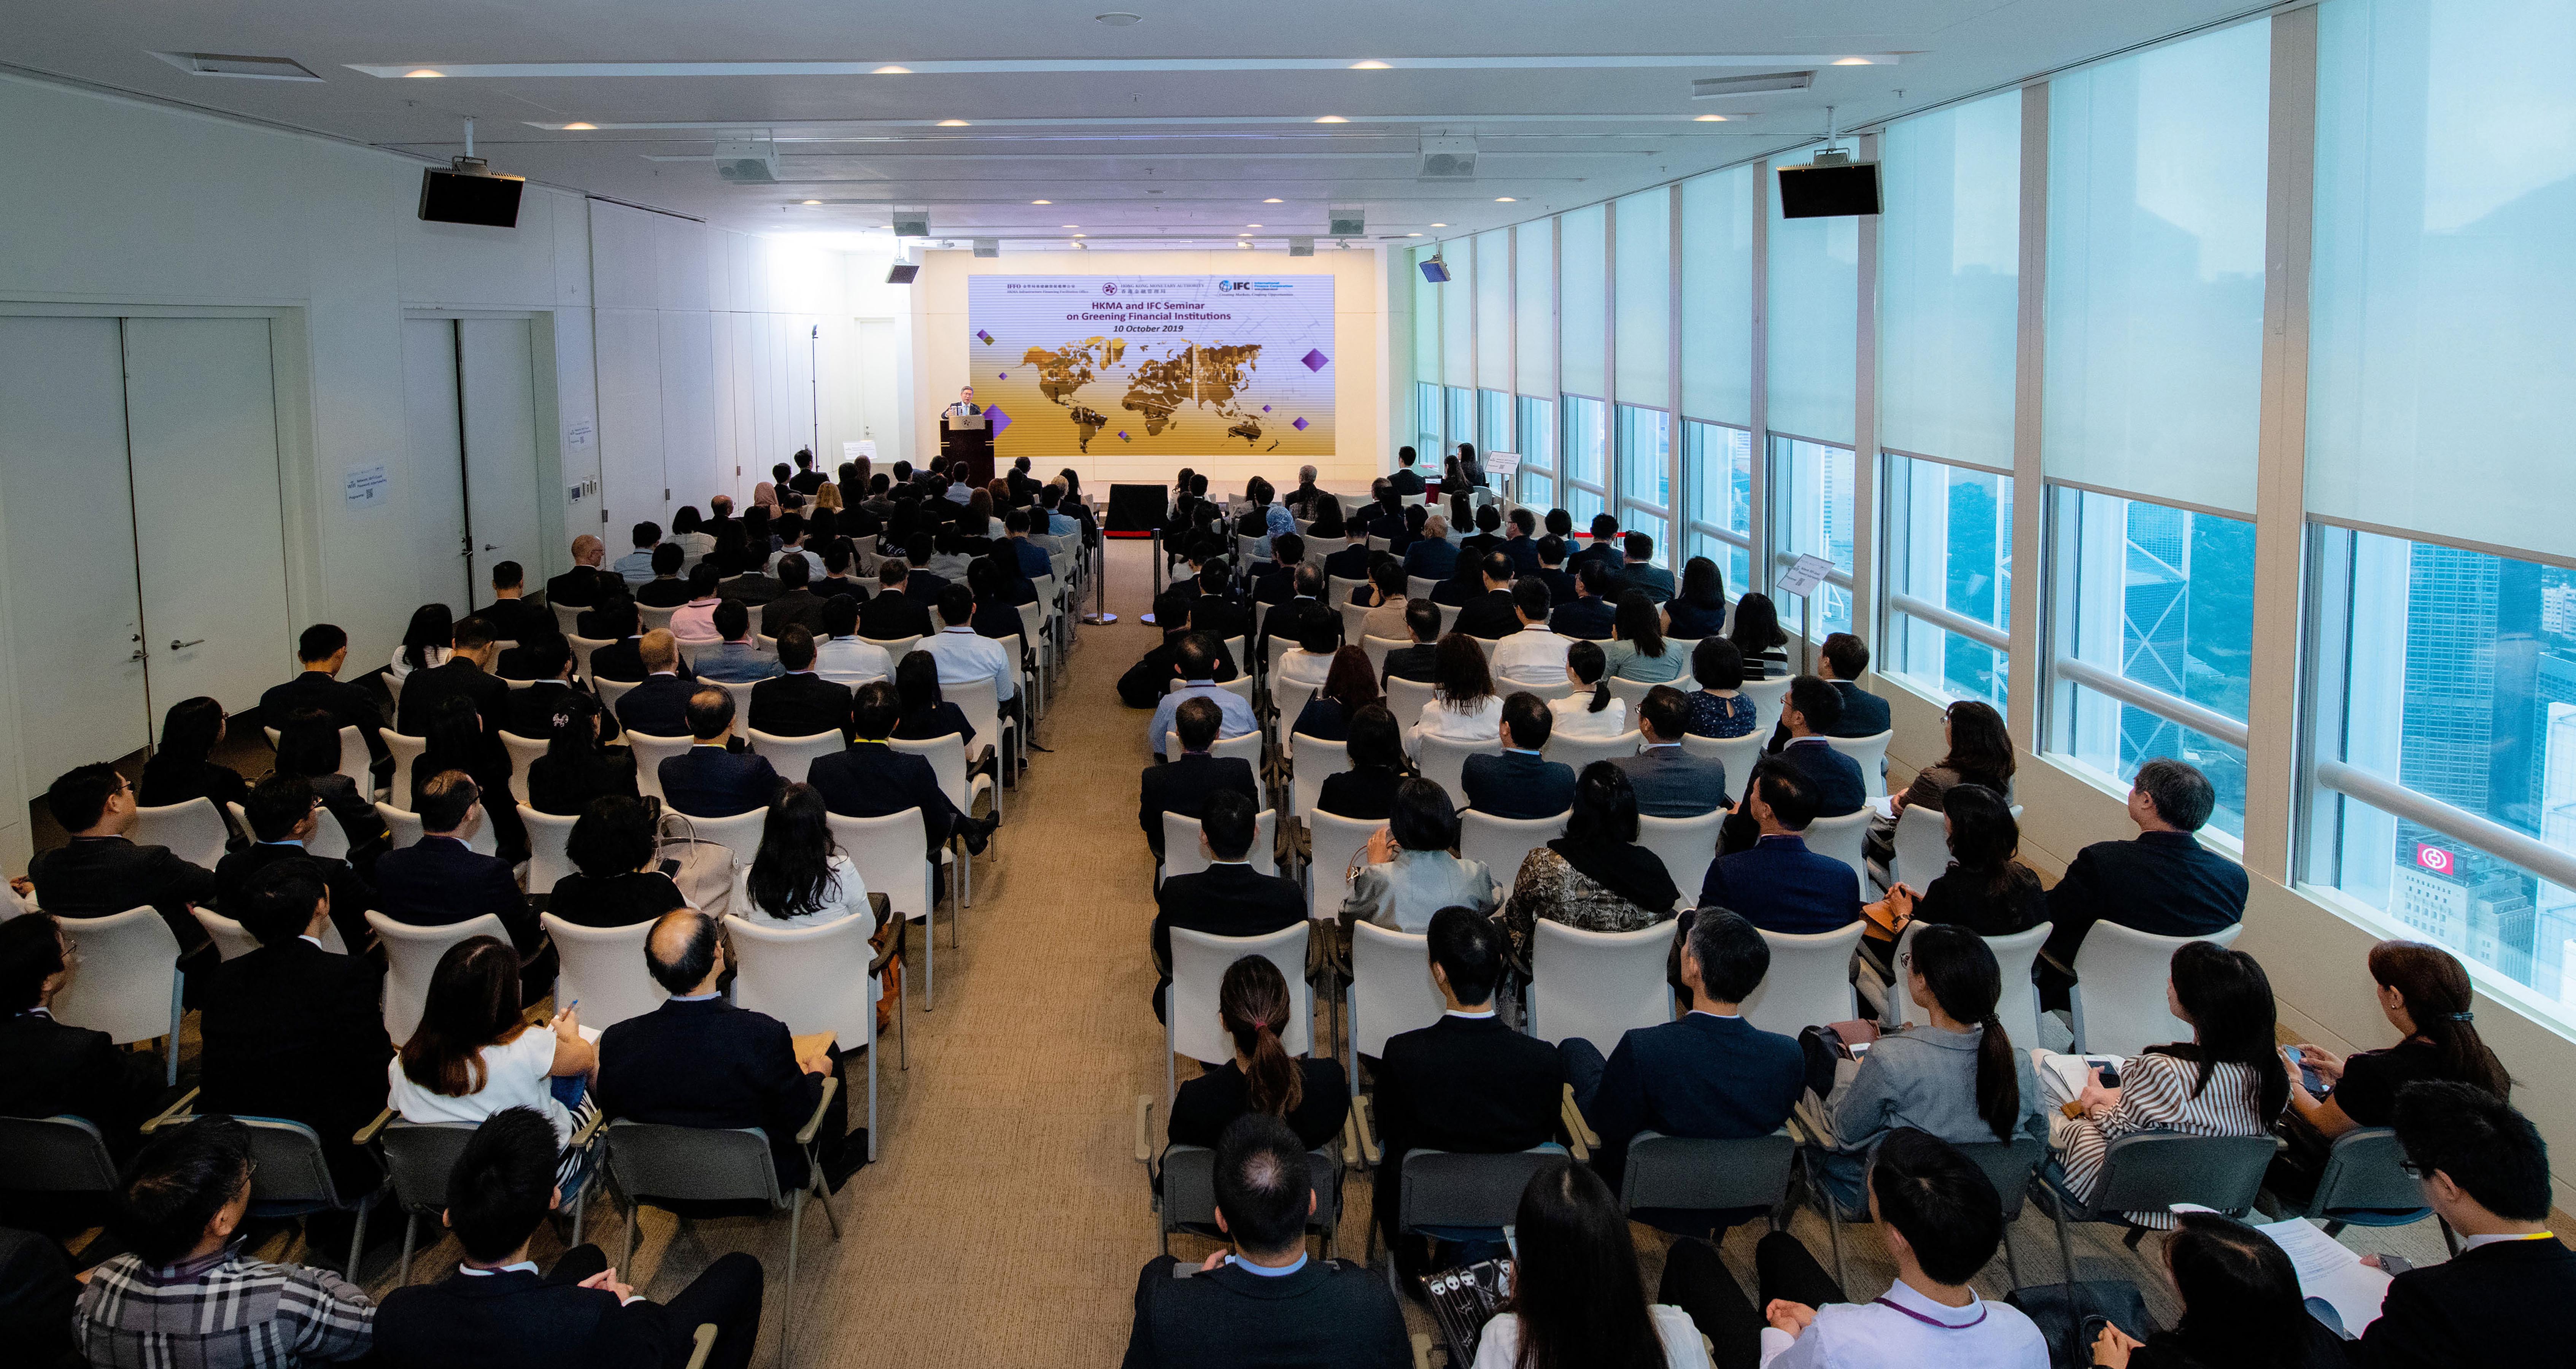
(222, 1311)
(2155, 1095)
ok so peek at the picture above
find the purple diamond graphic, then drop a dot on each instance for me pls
(988, 337)
(1123, 437)
(1265, 408)
(1001, 375)
(1314, 360)
(998, 420)
(1299, 425)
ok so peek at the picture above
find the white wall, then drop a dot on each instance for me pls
(695, 363)
(1359, 388)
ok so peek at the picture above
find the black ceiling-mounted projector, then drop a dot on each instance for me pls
(902, 272)
(470, 193)
(1833, 186)
(1436, 271)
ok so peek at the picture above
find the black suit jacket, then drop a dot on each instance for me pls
(1489, 615)
(438, 882)
(348, 705)
(622, 661)
(1417, 663)
(1328, 1313)
(530, 712)
(712, 782)
(1517, 784)
(518, 620)
(1584, 616)
(1462, 1084)
(350, 896)
(659, 707)
(424, 690)
(1836, 776)
(1218, 616)
(1184, 786)
(294, 1031)
(104, 876)
(2499, 1304)
(576, 588)
(1864, 715)
(1406, 481)
(1350, 563)
(564, 788)
(800, 606)
(800, 705)
(753, 588)
(48, 1068)
(711, 1064)
(1291, 619)
(889, 616)
(2163, 883)
(1562, 587)
(517, 1319)
(1223, 900)
(872, 779)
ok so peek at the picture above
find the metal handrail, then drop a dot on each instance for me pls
(2171, 708)
(2459, 824)
(1943, 618)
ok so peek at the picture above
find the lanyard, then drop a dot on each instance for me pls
(1927, 1321)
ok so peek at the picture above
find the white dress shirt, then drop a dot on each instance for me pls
(1535, 655)
(851, 660)
(1303, 667)
(1482, 722)
(1575, 718)
(1906, 1328)
(965, 657)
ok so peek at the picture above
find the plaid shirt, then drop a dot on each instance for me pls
(222, 1311)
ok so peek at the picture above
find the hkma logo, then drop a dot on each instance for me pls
(1109, 287)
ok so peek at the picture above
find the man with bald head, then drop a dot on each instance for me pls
(698, 1061)
(579, 586)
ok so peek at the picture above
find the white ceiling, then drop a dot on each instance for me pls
(1187, 148)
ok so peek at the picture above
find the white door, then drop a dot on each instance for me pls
(433, 428)
(209, 543)
(77, 673)
(495, 368)
(876, 365)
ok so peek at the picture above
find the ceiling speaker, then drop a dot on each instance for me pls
(1448, 159)
(988, 247)
(752, 161)
(912, 223)
(1347, 223)
(1301, 247)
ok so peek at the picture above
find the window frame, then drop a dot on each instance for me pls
(1568, 481)
(1769, 493)
(1895, 487)
(1697, 469)
(1659, 516)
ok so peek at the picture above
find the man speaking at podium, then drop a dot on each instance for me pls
(965, 405)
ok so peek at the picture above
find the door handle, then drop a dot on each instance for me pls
(177, 645)
(488, 546)
(138, 655)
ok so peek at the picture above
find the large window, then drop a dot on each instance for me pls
(1811, 502)
(1462, 422)
(2151, 639)
(1587, 441)
(1538, 451)
(1645, 476)
(1426, 424)
(1718, 461)
(1493, 421)
(2443, 731)
(1948, 534)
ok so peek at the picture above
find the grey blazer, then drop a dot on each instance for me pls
(1402, 894)
(1672, 783)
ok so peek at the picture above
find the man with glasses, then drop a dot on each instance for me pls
(101, 872)
(284, 814)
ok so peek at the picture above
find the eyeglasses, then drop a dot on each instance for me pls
(2414, 1170)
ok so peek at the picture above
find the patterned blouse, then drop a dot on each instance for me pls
(1711, 716)
(2155, 1095)
(1548, 887)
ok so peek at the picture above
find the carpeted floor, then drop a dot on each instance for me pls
(1006, 1216)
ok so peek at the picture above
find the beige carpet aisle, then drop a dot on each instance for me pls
(1005, 1218)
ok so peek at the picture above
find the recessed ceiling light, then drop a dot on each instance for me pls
(1439, 225)
(593, 127)
(1506, 199)
(952, 123)
(1243, 244)
(1119, 19)
(424, 71)
(1041, 201)
(1252, 225)
(1851, 61)
(1710, 119)
(1413, 235)
(1073, 225)
(1332, 119)
(1274, 200)
(1082, 235)
(891, 71)
(809, 201)
(1371, 64)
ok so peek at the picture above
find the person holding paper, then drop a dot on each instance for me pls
(2241, 1305)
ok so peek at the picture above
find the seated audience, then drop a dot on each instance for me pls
(1492, 612)
(1229, 897)
(1589, 613)
(1956, 1076)
(1781, 885)
(187, 1291)
(659, 705)
(1719, 707)
(2425, 995)
(666, 589)
(473, 1055)
(1193, 666)
(1595, 878)
(100, 871)
(1577, 1297)
(1185, 784)
(927, 715)
(1301, 617)
(735, 658)
(1310, 1095)
(1808, 713)
(459, 740)
(1638, 649)
(37, 1297)
(466, 674)
(322, 651)
(439, 880)
(1840, 662)
(2165, 883)
(1349, 686)
(799, 703)
(1758, 638)
(514, 616)
(841, 656)
(1698, 610)
(576, 769)
(1519, 782)
(617, 878)
(182, 766)
(1975, 750)
(1467, 1082)
(529, 711)
(1367, 789)
(1986, 889)
(1604, 548)
(1265, 1301)
(800, 877)
(1386, 601)
(2240, 1301)
(873, 780)
(1419, 662)
(796, 605)
(715, 777)
(1536, 653)
(1670, 780)
(1940, 1220)
(1464, 706)
(1562, 586)
(428, 639)
(1407, 871)
(291, 1030)
(1310, 662)
(1591, 712)
(699, 1061)
(308, 747)
(2485, 1172)
(893, 613)
(50, 1068)
(694, 622)
(498, 1312)
(577, 587)
(284, 815)
(2226, 1081)
(613, 620)
(636, 566)
(1432, 556)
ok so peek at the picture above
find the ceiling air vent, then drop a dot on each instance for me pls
(234, 65)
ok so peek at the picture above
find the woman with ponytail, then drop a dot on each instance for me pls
(1310, 1095)
(1592, 712)
(2424, 994)
(1956, 1077)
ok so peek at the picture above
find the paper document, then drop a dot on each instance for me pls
(2070, 1069)
(2330, 1270)
(1884, 806)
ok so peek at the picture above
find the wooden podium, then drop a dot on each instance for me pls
(967, 441)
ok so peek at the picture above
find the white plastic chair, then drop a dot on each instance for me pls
(1767, 695)
(1597, 985)
(1246, 748)
(983, 711)
(1444, 763)
(549, 842)
(1487, 645)
(1378, 647)
(1240, 687)
(891, 855)
(1406, 699)
(127, 983)
(1199, 963)
(1870, 754)
(1841, 838)
(567, 616)
(411, 957)
(194, 831)
(1391, 990)
(650, 751)
(2018, 1009)
(739, 834)
(947, 757)
(353, 757)
(741, 692)
(1417, 587)
(233, 939)
(2118, 1001)
(814, 979)
(406, 829)
(581, 649)
(1181, 854)
(1323, 761)
(1503, 843)
(792, 756)
(1578, 752)
(1687, 846)
(1922, 847)
(1288, 700)
(523, 753)
(1634, 692)
(330, 840)
(1809, 982)
(1737, 754)
(405, 750)
(610, 691)
(1332, 842)
(602, 968)
(895, 648)
(1354, 617)
(653, 618)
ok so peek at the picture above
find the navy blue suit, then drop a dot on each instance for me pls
(659, 707)
(873, 780)
(711, 782)
(1836, 776)
(1432, 558)
(1707, 1077)
(439, 881)
(1781, 886)
(1864, 715)
(711, 1064)
(1517, 784)
(2163, 883)
(1587, 616)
